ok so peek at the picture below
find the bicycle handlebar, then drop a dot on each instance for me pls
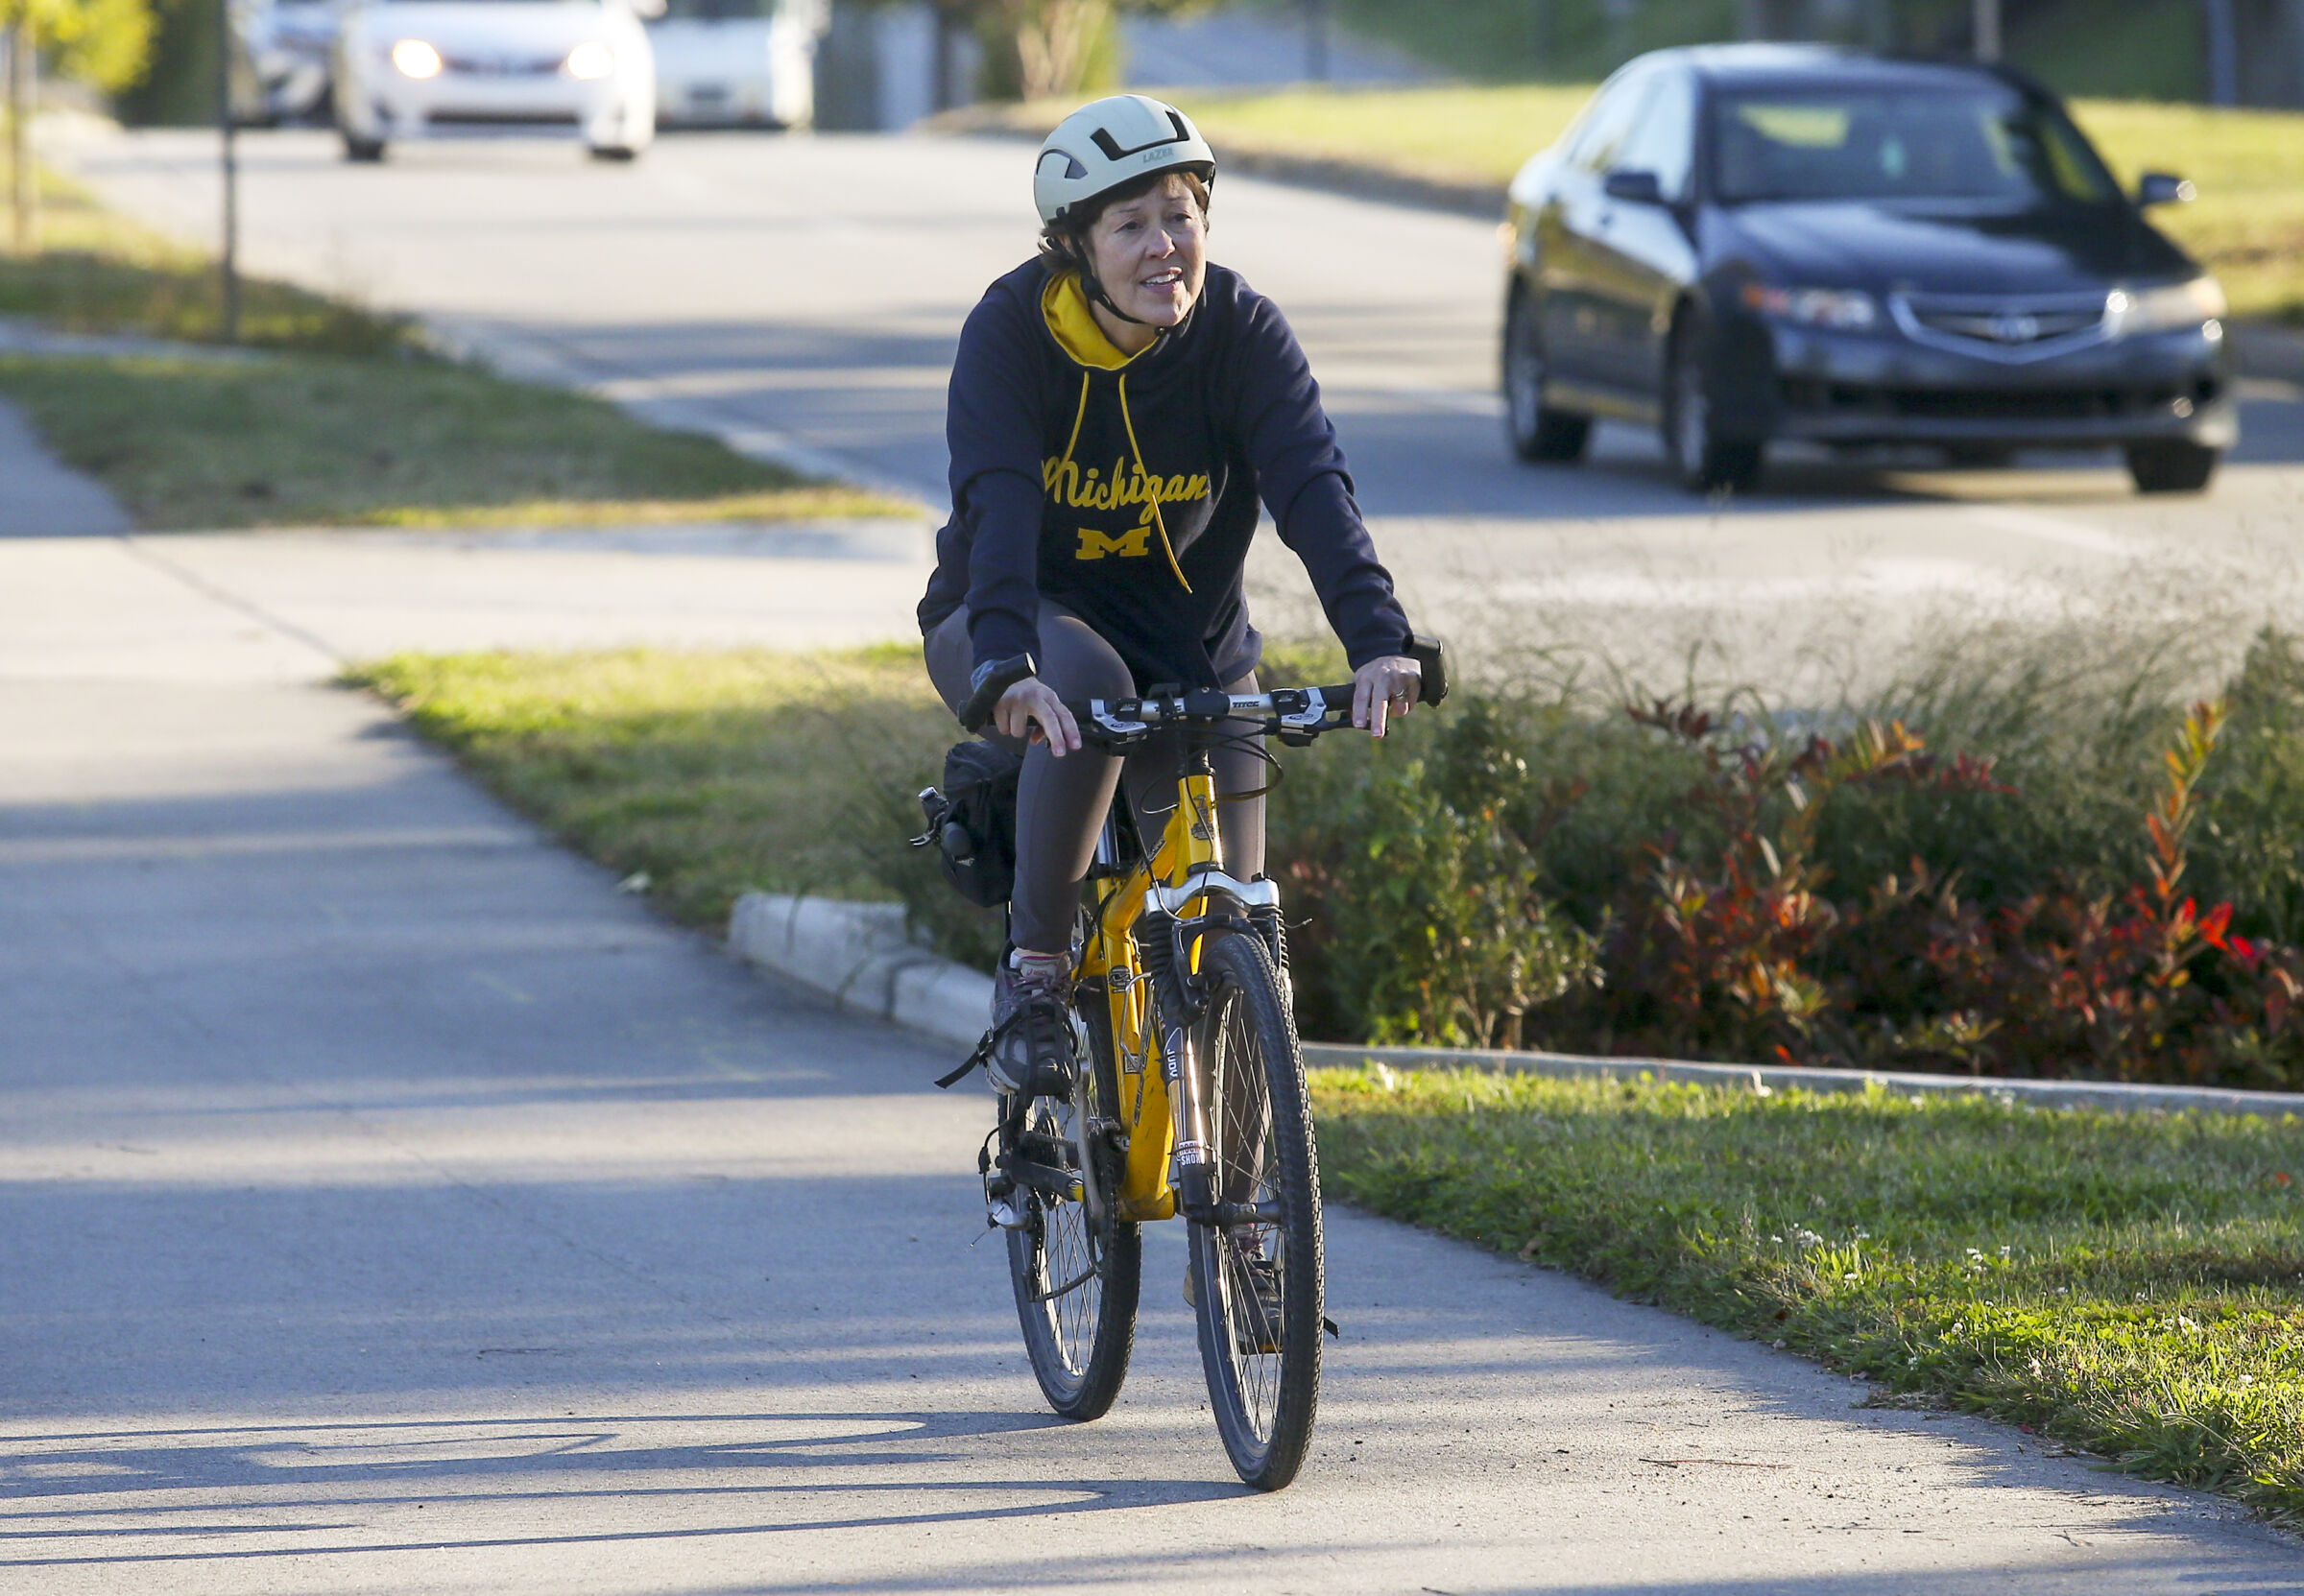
(1295, 715)
(1292, 714)
(1003, 674)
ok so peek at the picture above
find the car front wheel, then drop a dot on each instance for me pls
(1536, 432)
(1702, 459)
(2171, 466)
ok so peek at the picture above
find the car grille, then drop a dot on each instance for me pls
(501, 66)
(2008, 328)
(455, 117)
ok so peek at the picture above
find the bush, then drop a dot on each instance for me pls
(2092, 882)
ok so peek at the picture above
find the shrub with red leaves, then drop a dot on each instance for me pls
(1751, 958)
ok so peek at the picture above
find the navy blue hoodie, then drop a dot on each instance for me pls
(1125, 488)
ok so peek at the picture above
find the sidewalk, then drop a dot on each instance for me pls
(40, 498)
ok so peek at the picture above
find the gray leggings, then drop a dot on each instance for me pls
(1060, 803)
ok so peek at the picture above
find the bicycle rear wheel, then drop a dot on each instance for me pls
(1075, 1266)
(1256, 1282)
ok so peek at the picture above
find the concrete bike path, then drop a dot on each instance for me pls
(387, 1204)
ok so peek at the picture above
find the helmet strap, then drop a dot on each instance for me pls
(1093, 286)
(1095, 290)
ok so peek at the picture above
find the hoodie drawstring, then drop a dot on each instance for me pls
(1142, 471)
(1078, 415)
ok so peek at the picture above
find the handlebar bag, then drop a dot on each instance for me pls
(972, 822)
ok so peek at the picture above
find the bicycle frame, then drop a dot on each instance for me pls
(1163, 1111)
(1181, 891)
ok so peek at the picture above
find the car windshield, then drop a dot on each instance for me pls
(1969, 141)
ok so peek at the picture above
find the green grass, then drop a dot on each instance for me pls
(720, 771)
(2129, 1284)
(2247, 225)
(308, 439)
(712, 773)
(95, 270)
(340, 417)
(2147, 49)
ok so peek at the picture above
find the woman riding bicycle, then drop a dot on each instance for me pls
(1119, 407)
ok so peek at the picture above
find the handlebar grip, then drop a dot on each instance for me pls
(1432, 660)
(1003, 674)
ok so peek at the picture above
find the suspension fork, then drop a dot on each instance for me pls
(1194, 839)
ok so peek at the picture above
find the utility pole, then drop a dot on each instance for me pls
(2224, 52)
(1987, 30)
(1315, 40)
(227, 126)
(21, 92)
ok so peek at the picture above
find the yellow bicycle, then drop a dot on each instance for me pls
(1191, 1103)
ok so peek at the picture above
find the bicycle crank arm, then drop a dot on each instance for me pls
(1045, 1179)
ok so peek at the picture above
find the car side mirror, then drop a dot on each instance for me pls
(2164, 188)
(1636, 187)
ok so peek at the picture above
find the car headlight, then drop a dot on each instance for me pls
(1845, 309)
(416, 59)
(2168, 309)
(592, 60)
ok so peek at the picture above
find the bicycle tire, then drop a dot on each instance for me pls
(1263, 1360)
(1079, 1339)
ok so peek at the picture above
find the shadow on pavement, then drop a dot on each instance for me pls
(335, 1478)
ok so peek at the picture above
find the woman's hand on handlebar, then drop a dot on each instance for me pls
(1382, 689)
(1031, 712)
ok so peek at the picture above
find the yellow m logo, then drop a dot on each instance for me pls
(1131, 544)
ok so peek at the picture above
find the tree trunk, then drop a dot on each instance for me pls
(22, 198)
(1053, 38)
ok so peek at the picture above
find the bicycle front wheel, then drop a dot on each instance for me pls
(1257, 1281)
(1075, 1266)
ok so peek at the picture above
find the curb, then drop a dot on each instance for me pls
(1337, 174)
(2103, 1096)
(1332, 173)
(860, 956)
(534, 357)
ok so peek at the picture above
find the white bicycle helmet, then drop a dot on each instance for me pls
(1110, 142)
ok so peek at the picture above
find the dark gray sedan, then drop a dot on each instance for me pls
(1743, 243)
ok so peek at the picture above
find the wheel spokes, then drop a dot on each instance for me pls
(1068, 1272)
(1252, 1258)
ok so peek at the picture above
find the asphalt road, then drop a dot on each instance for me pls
(801, 297)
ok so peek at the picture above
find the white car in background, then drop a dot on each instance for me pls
(290, 43)
(448, 68)
(741, 64)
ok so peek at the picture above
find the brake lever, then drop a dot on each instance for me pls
(1113, 729)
